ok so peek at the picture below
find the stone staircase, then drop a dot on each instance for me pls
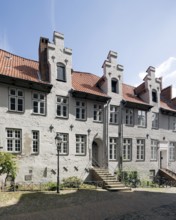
(168, 174)
(109, 181)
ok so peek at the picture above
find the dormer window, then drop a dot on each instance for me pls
(61, 73)
(154, 96)
(114, 86)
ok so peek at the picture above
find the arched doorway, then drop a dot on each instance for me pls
(97, 153)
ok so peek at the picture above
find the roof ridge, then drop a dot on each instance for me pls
(19, 56)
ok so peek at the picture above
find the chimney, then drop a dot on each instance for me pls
(43, 59)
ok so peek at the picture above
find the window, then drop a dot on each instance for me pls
(173, 123)
(38, 100)
(61, 74)
(81, 144)
(129, 116)
(155, 120)
(127, 148)
(62, 107)
(80, 110)
(172, 151)
(114, 114)
(140, 149)
(152, 174)
(63, 146)
(154, 145)
(112, 148)
(141, 118)
(35, 141)
(154, 96)
(16, 100)
(98, 113)
(114, 86)
(14, 140)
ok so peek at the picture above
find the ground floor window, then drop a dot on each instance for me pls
(154, 145)
(35, 141)
(14, 139)
(172, 151)
(80, 144)
(140, 149)
(112, 148)
(127, 149)
(63, 146)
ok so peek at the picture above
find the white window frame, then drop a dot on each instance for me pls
(113, 143)
(140, 150)
(154, 147)
(40, 101)
(172, 146)
(98, 113)
(16, 97)
(127, 149)
(35, 142)
(155, 120)
(129, 116)
(14, 140)
(81, 113)
(62, 103)
(64, 145)
(142, 118)
(81, 143)
(114, 113)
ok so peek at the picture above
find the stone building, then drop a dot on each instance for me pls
(100, 120)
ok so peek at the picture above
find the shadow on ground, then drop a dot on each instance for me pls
(93, 205)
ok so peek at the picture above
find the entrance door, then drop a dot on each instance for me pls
(95, 161)
(163, 159)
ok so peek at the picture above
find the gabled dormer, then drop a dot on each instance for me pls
(112, 77)
(60, 63)
(150, 90)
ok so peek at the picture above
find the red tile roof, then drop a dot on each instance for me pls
(129, 95)
(18, 67)
(86, 82)
(167, 106)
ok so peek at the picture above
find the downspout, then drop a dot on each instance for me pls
(106, 135)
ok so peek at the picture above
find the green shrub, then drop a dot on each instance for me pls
(71, 182)
(51, 186)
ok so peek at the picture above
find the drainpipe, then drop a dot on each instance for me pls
(120, 163)
(106, 134)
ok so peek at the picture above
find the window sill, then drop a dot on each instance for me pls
(18, 112)
(83, 155)
(129, 125)
(60, 80)
(111, 123)
(79, 119)
(60, 117)
(112, 160)
(139, 126)
(140, 160)
(127, 160)
(38, 114)
(98, 122)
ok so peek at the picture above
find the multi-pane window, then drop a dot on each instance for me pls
(63, 146)
(61, 73)
(172, 151)
(141, 118)
(129, 116)
(155, 120)
(174, 123)
(80, 144)
(112, 148)
(140, 149)
(16, 100)
(35, 141)
(154, 145)
(38, 100)
(80, 110)
(98, 113)
(114, 114)
(114, 86)
(127, 148)
(14, 140)
(62, 107)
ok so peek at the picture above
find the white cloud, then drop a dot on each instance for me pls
(166, 70)
(4, 43)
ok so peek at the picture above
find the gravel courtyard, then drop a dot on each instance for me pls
(141, 204)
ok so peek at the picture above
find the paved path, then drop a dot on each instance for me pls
(102, 205)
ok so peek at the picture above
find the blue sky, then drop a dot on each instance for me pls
(142, 32)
